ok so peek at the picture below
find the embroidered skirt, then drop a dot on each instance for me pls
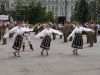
(18, 42)
(46, 42)
(78, 41)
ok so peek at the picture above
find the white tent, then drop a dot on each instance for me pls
(4, 17)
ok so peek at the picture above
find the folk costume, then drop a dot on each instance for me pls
(46, 34)
(90, 36)
(94, 27)
(26, 38)
(78, 39)
(19, 31)
(3, 27)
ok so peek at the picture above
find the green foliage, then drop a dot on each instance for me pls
(36, 13)
(98, 21)
(33, 13)
(49, 17)
(93, 10)
(81, 11)
(74, 16)
(98, 9)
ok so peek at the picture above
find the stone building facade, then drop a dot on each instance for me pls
(58, 7)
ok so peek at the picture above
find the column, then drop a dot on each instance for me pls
(68, 17)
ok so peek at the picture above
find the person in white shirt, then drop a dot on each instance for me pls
(26, 36)
(78, 39)
(46, 34)
(19, 31)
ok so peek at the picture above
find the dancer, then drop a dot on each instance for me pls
(19, 31)
(26, 36)
(78, 39)
(46, 34)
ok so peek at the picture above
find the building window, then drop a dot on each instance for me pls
(3, 6)
(54, 0)
(49, 8)
(62, 8)
(56, 8)
(12, 5)
(53, 8)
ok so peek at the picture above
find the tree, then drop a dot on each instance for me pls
(32, 12)
(98, 10)
(81, 12)
(36, 13)
(49, 16)
(73, 17)
(20, 12)
(93, 10)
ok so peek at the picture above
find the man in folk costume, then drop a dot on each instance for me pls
(41, 27)
(46, 34)
(54, 27)
(67, 29)
(90, 36)
(36, 29)
(3, 31)
(78, 39)
(60, 29)
(0, 30)
(10, 27)
(94, 27)
(26, 36)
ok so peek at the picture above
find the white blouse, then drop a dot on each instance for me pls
(26, 29)
(16, 30)
(79, 30)
(49, 32)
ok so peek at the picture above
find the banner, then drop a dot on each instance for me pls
(4, 17)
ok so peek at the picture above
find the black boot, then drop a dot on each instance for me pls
(23, 47)
(60, 36)
(14, 53)
(4, 41)
(76, 52)
(31, 47)
(18, 52)
(42, 52)
(47, 52)
(91, 44)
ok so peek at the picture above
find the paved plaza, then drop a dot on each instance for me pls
(61, 60)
